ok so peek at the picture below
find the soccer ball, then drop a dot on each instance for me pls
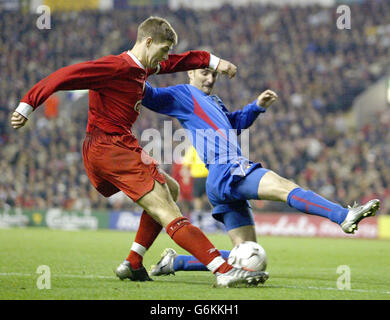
(248, 255)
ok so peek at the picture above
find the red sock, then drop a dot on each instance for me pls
(148, 231)
(195, 242)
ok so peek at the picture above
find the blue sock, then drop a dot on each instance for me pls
(309, 202)
(190, 263)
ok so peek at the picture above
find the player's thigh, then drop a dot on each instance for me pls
(247, 188)
(159, 204)
(241, 234)
(172, 184)
(274, 187)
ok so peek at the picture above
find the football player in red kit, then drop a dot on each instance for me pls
(114, 160)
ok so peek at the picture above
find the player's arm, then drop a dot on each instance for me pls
(242, 119)
(195, 59)
(85, 75)
(175, 101)
(159, 100)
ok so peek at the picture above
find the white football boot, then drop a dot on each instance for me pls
(165, 266)
(357, 213)
(237, 276)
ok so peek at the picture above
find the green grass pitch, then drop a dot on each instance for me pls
(82, 262)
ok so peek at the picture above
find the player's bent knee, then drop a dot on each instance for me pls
(174, 188)
(159, 204)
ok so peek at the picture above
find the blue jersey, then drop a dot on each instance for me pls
(212, 129)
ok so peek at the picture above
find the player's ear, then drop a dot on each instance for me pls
(148, 41)
(190, 74)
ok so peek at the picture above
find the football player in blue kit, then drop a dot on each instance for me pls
(233, 179)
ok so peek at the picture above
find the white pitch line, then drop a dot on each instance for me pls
(88, 276)
(327, 288)
(265, 286)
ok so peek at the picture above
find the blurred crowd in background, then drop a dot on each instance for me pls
(316, 70)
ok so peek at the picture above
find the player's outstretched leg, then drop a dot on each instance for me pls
(160, 205)
(274, 187)
(171, 262)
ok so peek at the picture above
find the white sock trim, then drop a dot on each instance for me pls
(216, 263)
(136, 247)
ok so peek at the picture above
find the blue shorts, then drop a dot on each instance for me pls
(230, 196)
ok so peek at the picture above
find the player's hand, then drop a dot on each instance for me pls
(226, 67)
(17, 120)
(266, 98)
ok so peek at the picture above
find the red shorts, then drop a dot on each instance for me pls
(118, 163)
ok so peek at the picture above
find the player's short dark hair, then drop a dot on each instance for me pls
(157, 28)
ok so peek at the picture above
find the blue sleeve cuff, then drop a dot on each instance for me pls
(260, 109)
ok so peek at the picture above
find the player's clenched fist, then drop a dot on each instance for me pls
(226, 67)
(17, 120)
(266, 98)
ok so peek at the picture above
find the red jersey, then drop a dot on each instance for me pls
(116, 85)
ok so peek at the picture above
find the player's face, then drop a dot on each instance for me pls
(157, 52)
(203, 79)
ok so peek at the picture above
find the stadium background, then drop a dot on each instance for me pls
(329, 131)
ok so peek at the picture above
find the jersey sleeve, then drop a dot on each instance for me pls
(85, 75)
(189, 60)
(172, 101)
(243, 119)
(159, 100)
